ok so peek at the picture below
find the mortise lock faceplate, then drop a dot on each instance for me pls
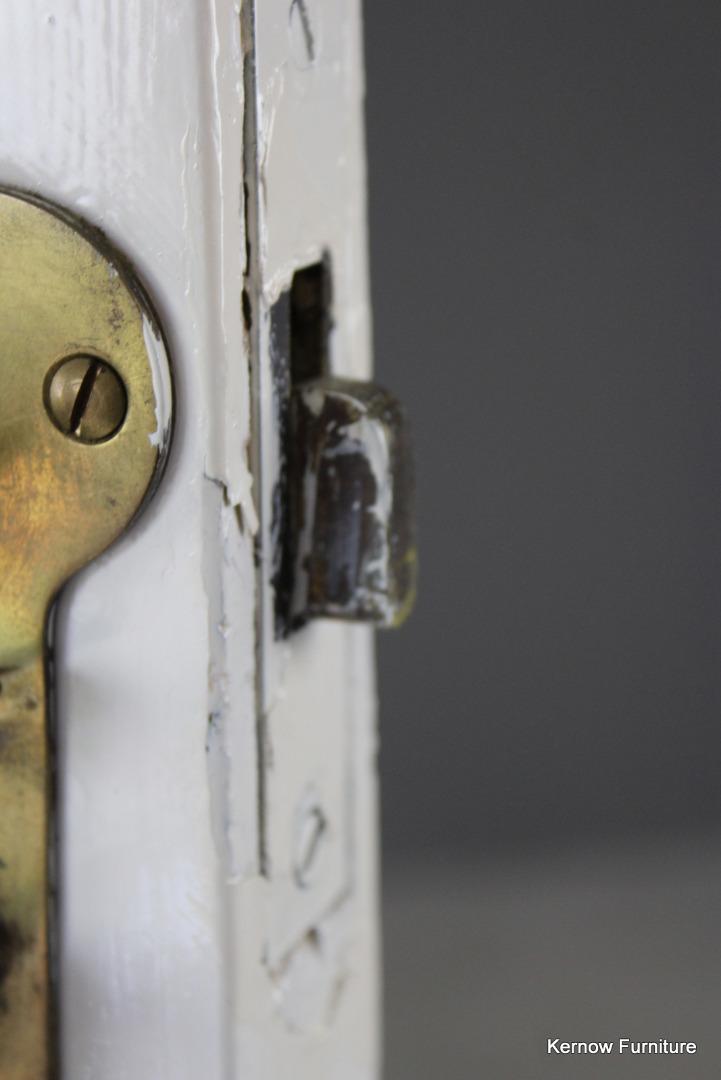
(85, 421)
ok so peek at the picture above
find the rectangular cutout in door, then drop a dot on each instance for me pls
(300, 325)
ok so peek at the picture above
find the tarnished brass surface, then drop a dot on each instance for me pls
(26, 1020)
(62, 502)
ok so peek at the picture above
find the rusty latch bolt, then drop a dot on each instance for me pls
(351, 536)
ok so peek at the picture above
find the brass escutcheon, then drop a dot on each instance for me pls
(85, 424)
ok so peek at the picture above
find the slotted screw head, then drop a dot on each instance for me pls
(86, 398)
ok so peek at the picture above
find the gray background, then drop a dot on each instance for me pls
(545, 213)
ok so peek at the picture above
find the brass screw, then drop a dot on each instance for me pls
(86, 398)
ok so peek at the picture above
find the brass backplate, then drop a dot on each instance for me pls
(62, 501)
(65, 496)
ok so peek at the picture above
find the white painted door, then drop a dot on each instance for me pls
(207, 928)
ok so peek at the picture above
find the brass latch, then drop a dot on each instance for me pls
(85, 422)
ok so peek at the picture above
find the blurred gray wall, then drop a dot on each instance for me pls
(545, 199)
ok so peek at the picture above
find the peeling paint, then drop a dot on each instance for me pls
(162, 386)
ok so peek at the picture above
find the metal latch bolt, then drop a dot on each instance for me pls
(344, 515)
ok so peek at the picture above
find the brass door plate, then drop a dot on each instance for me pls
(85, 422)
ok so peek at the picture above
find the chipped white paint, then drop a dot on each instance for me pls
(162, 385)
(179, 957)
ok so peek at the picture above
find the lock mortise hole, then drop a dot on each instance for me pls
(310, 321)
(301, 322)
